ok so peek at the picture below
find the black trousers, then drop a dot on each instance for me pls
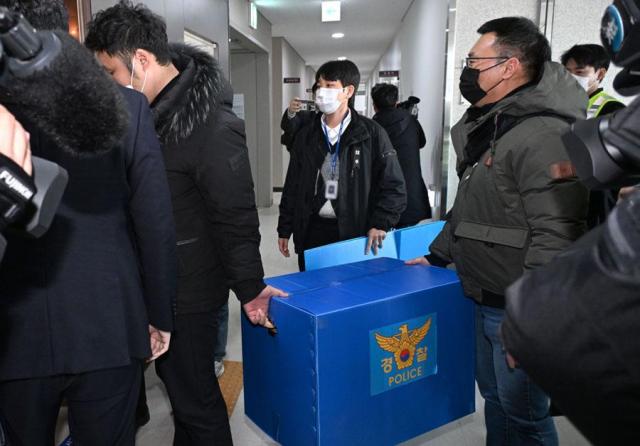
(321, 231)
(187, 370)
(101, 407)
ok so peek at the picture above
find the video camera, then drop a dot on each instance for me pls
(606, 151)
(411, 104)
(22, 53)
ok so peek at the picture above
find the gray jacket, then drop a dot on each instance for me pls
(520, 204)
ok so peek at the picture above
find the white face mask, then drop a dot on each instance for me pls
(133, 68)
(327, 99)
(584, 81)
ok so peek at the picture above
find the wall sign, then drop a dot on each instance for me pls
(389, 73)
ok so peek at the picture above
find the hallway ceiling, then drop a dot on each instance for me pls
(369, 27)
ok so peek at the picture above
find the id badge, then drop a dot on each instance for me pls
(331, 190)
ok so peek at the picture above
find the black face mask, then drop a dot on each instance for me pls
(469, 86)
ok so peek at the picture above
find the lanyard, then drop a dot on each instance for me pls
(336, 153)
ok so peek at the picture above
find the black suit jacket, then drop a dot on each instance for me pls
(81, 297)
(407, 137)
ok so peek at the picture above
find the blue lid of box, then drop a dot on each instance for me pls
(403, 244)
(339, 288)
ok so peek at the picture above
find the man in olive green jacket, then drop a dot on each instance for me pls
(518, 203)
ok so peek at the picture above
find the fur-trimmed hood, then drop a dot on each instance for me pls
(199, 91)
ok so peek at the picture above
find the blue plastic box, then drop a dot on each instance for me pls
(370, 353)
(403, 244)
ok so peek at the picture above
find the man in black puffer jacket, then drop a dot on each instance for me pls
(213, 203)
(407, 137)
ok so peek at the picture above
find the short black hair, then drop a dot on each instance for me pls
(519, 37)
(589, 55)
(121, 29)
(314, 88)
(344, 71)
(41, 14)
(384, 96)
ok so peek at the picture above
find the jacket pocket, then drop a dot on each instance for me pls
(489, 257)
(192, 256)
(512, 237)
(186, 242)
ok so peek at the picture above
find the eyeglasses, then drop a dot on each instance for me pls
(469, 61)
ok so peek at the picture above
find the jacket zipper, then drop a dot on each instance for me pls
(356, 162)
(315, 190)
(492, 146)
(186, 242)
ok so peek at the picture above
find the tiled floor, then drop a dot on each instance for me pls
(159, 432)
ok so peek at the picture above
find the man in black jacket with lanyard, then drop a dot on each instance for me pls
(344, 179)
(213, 203)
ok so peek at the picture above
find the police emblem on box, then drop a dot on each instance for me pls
(403, 353)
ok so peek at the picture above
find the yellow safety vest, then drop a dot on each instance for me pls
(597, 103)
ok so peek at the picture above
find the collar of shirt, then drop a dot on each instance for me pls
(333, 133)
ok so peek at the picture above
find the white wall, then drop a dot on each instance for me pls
(239, 20)
(578, 25)
(418, 52)
(243, 71)
(286, 63)
(390, 60)
(251, 75)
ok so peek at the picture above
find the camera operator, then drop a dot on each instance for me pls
(574, 325)
(14, 141)
(16, 185)
(82, 307)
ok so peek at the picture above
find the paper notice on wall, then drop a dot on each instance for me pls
(238, 105)
(361, 104)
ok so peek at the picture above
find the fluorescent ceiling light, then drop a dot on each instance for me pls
(337, 35)
(253, 16)
(331, 11)
(342, 58)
